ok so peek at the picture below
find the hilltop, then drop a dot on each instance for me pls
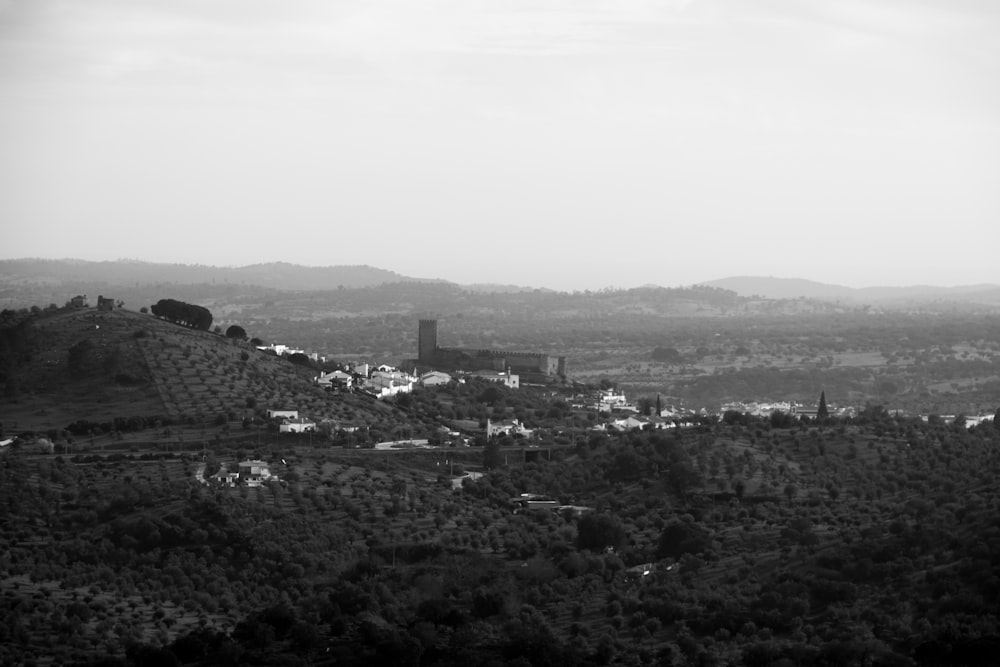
(274, 275)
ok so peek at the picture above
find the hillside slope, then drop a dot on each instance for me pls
(86, 364)
(851, 542)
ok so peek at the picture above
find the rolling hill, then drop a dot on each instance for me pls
(73, 364)
(794, 288)
(275, 275)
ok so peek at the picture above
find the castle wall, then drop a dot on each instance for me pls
(530, 364)
(498, 360)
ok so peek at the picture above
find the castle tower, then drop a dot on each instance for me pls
(427, 341)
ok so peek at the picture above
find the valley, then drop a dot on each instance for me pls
(711, 537)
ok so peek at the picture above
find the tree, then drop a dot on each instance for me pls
(301, 359)
(667, 355)
(822, 412)
(627, 466)
(680, 477)
(679, 538)
(739, 488)
(492, 457)
(491, 395)
(598, 531)
(185, 314)
(780, 419)
(78, 356)
(790, 492)
(237, 332)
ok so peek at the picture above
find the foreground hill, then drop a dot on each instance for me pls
(858, 542)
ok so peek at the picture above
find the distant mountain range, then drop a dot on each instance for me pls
(275, 275)
(794, 288)
(41, 280)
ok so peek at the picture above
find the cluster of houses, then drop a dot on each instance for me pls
(626, 416)
(641, 422)
(511, 427)
(289, 421)
(286, 351)
(251, 472)
(386, 381)
(764, 409)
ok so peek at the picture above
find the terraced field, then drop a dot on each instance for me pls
(126, 364)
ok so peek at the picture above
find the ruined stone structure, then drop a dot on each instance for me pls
(531, 366)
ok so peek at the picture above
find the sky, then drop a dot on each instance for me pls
(570, 144)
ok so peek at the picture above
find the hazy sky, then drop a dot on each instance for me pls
(568, 144)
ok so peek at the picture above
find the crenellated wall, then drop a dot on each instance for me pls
(451, 358)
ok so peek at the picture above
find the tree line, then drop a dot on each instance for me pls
(185, 314)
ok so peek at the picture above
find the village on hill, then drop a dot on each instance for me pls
(591, 407)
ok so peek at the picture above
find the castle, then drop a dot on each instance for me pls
(531, 366)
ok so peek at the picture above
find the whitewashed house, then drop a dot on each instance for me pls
(297, 425)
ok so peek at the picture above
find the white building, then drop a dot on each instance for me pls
(434, 379)
(506, 378)
(297, 425)
(385, 384)
(506, 427)
(254, 472)
(335, 379)
(609, 401)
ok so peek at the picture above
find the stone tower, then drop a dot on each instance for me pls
(427, 341)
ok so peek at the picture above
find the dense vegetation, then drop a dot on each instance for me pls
(868, 541)
(743, 541)
(187, 314)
